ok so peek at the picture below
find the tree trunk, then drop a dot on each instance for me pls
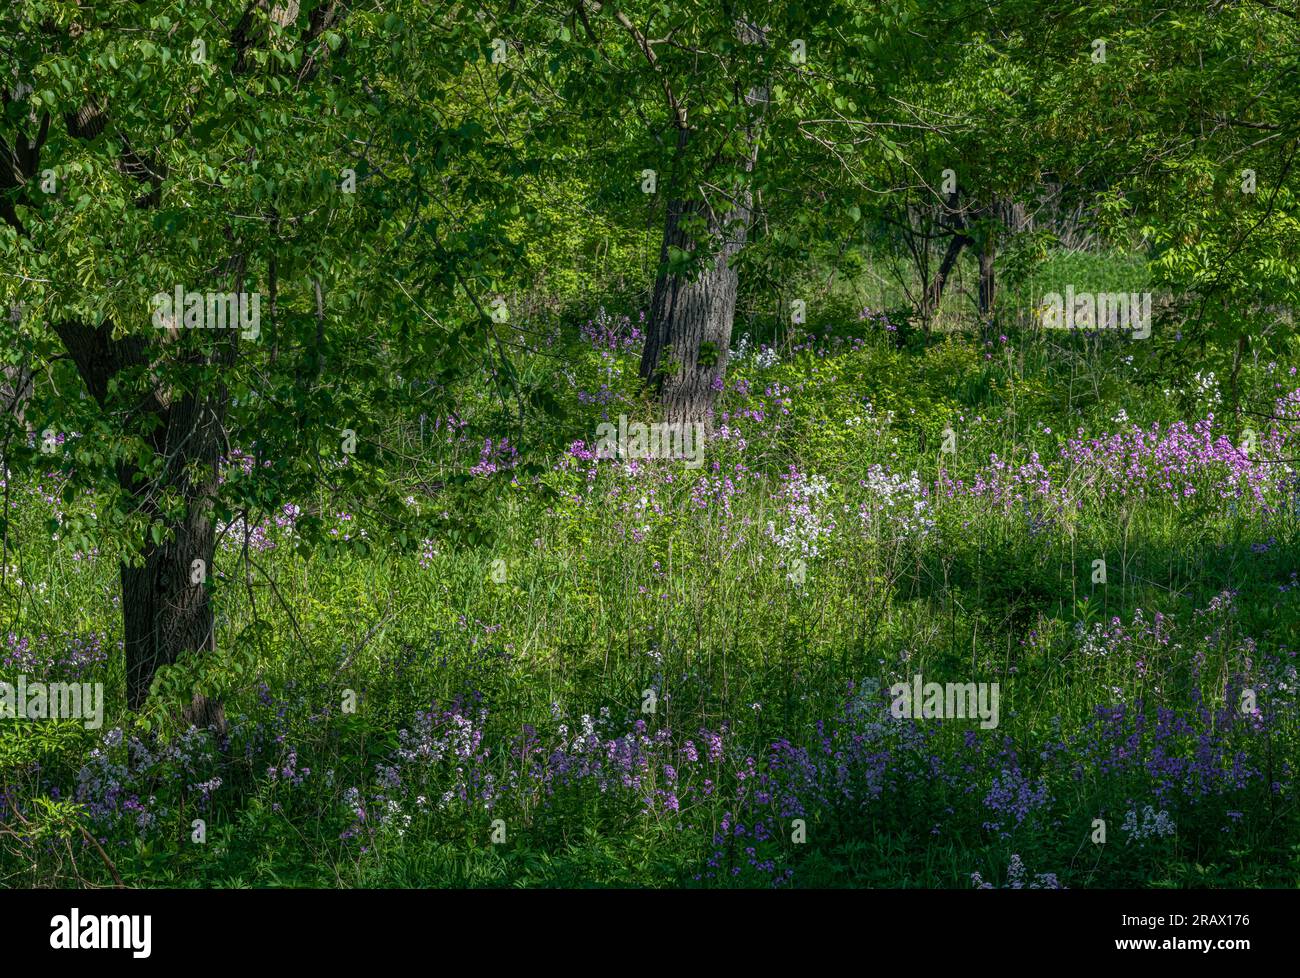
(934, 291)
(988, 283)
(166, 609)
(163, 613)
(689, 338)
(16, 390)
(689, 341)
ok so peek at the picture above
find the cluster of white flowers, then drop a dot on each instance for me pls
(895, 504)
(40, 586)
(740, 351)
(872, 424)
(764, 357)
(1153, 824)
(1206, 389)
(396, 818)
(1092, 641)
(808, 519)
(582, 741)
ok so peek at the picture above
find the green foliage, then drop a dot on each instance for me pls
(441, 207)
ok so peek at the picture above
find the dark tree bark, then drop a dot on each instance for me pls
(686, 351)
(165, 611)
(689, 338)
(164, 614)
(934, 291)
(16, 388)
(1011, 218)
(1009, 215)
(988, 281)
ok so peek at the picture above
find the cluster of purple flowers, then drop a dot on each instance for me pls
(1017, 878)
(122, 780)
(860, 762)
(67, 656)
(495, 458)
(877, 319)
(614, 334)
(1179, 463)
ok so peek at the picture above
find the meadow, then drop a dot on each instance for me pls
(647, 445)
(609, 672)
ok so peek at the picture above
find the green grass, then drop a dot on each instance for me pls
(702, 610)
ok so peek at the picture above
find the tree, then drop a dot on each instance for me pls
(713, 108)
(221, 149)
(1183, 127)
